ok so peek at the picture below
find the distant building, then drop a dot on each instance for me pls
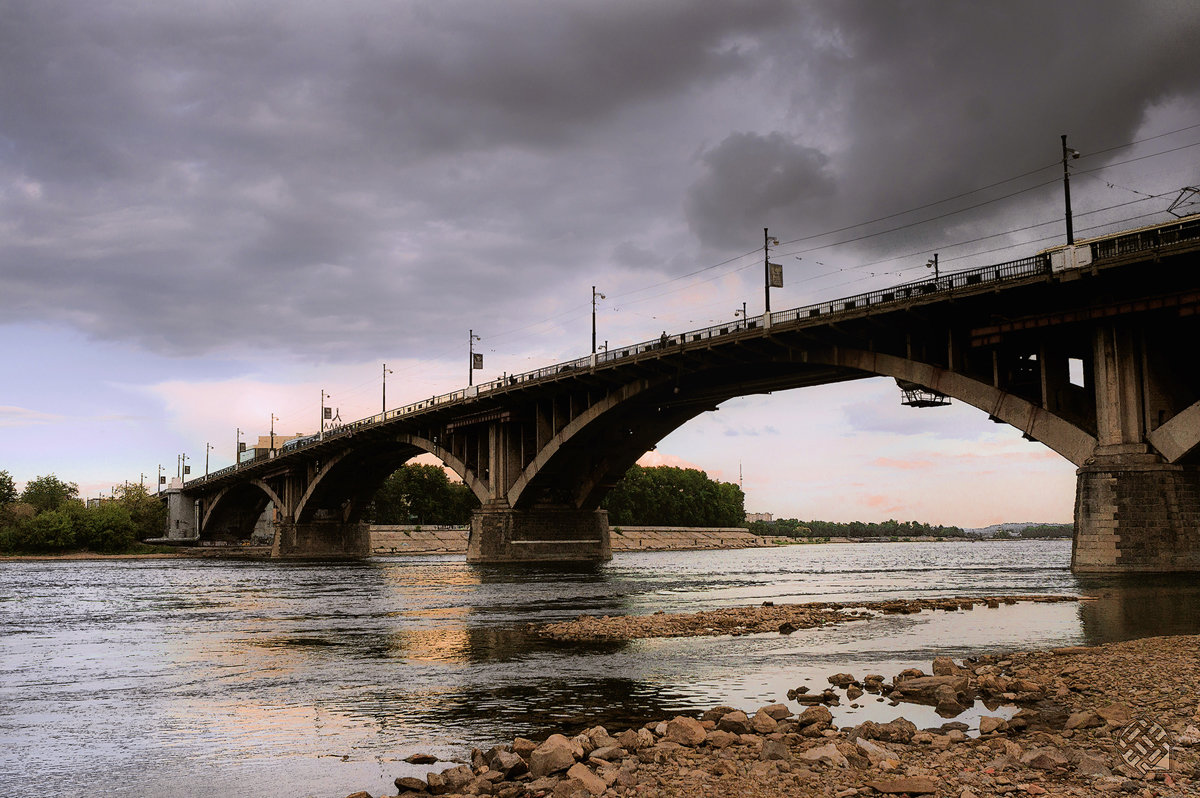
(752, 517)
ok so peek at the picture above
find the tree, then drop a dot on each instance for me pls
(422, 494)
(669, 496)
(8, 489)
(49, 493)
(148, 514)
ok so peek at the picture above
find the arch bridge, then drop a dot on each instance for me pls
(1090, 349)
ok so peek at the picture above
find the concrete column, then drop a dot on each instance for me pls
(1120, 409)
(1136, 517)
(541, 534)
(321, 539)
(181, 516)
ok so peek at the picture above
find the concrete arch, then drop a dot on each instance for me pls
(1055, 432)
(315, 482)
(217, 505)
(1180, 436)
(469, 477)
(597, 411)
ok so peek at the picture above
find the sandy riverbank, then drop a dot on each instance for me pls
(1093, 721)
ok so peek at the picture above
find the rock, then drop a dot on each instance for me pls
(762, 723)
(719, 738)
(716, 713)
(774, 749)
(899, 730)
(926, 687)
(457, 777)
(1091, 766)
(628, 740)
(437, 784)
(827, 754)
(735, 722)
(1116, 714)
(842, 680)
(872, 682)
(989, 724)
(821, 716)
(359, 794)
(947, 701)
(645, 739)
(609, 753)
(508, 763)
(555, 754)
(1044, 759)
(777, 711)
(944, 666)
(787, 627)
(523, 747)
(421, 759)
(590, 781)
(853, 692)
(1084, 720)
(688, 731)
(411, 784)
(906, 674)
(874, 752)
(913, 785)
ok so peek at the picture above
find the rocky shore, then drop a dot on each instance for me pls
(784, 618)
(1092, 721)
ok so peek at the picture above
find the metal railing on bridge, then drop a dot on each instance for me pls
(1103, 248)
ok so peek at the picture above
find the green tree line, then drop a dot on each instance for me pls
(669, 496)
(47, 517)
(792, 528)
(422, 494)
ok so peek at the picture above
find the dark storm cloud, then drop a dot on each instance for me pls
(330, 179)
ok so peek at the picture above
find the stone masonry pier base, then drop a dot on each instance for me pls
(321, 539)
(1136, 517)
(540, 534)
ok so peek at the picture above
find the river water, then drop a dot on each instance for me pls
(184, 677)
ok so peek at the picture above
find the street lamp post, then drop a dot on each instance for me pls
(185, 468)
(595, 296)
(158, 487)
(386, 371)
(208, 447)
(932, 263)
(237, 450)
(274, 418)
(1068, 152)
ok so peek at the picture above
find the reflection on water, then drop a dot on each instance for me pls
(1126, 607)
(178, 678)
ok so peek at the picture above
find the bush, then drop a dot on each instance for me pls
(45, 533)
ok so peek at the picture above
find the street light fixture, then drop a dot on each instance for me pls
(932, 263)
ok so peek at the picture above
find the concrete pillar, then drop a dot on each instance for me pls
(321, 539)
(541, 534)
(1120, 405)
(181, 516)
(1136, 517)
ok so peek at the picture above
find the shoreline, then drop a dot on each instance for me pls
(1077, 710)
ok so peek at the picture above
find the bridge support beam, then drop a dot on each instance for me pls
(540, 534)
(321, 539)
(1136, 517)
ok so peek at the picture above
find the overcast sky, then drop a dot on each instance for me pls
(209, 212)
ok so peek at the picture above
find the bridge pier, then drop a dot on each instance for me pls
(321, 539)
(1136, 517)
(500, 533)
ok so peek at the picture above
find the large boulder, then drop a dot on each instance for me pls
(900, 730)
(827, 754)
(686, 731)
(735, 722)
(555, 754)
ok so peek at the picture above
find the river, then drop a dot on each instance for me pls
(183, 677)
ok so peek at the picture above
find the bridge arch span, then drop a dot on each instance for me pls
(235, 509)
